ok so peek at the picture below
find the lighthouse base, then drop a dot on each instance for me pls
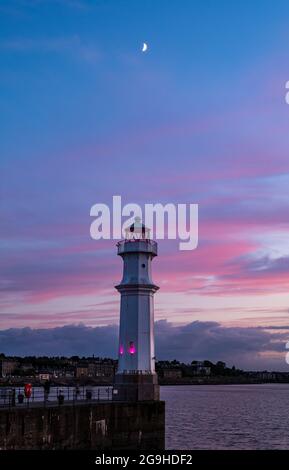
(136, 387)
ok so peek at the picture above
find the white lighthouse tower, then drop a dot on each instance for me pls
(136, 378)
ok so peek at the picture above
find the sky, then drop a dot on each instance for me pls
(199, 118)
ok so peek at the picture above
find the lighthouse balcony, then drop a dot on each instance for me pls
(137, 246)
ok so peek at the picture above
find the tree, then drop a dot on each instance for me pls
(221, 365)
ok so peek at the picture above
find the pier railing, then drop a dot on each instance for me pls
(15, 396)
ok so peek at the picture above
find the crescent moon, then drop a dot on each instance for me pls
(144, 47)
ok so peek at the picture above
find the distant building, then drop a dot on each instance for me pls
(198, 368)
(69, 373)
(265, 375)
(26, 367)
(101, 369)
(44, 376)
(95, 369)
(7, 367)
(170, 373)
(81, 370)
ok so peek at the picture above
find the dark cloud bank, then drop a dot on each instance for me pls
(242, 346)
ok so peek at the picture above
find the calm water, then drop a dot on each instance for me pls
(227, 416)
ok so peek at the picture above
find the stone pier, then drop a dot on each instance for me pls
(109, 425)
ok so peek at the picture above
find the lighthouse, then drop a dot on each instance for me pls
(136, 379)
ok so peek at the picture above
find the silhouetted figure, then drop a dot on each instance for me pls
(13, 397)
(77, 391)
(60, 397)
(46, 387)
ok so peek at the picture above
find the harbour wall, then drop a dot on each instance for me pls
(99, 426)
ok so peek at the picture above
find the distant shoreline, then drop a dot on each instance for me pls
(221, 380)
(222, 383)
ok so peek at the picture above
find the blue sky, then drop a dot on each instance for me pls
(200, 117)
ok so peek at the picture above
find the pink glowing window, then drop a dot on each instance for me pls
(131, 347)
(121, 350)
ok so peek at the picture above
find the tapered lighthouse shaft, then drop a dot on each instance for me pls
(136, 336)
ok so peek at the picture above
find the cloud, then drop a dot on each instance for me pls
(74, 46)
(268, 265)
(66, 340)
(245, 347)
(22, 4)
